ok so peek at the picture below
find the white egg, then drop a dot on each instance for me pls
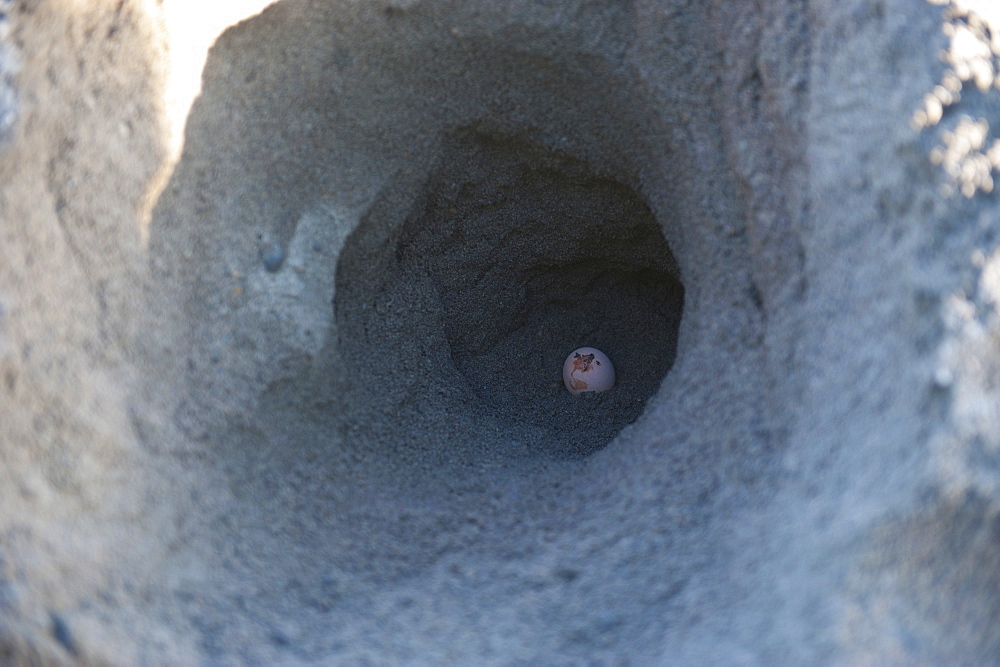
(588, 369)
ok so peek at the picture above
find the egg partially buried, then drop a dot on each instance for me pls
(588, 369)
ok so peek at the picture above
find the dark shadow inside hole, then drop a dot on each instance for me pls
(514, 257)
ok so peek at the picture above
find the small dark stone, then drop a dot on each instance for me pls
(62, 634)
(273, 256)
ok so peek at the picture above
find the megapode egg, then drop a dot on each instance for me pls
(588, 369)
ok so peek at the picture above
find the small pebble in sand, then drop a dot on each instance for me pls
(588, 369)
(273, 255)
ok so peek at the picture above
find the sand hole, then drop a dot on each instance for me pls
(511, 258)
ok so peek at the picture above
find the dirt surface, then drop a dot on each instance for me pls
(291, 393)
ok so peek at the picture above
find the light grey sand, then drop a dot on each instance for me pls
(319, 417)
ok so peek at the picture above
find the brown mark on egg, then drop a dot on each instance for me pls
(581, 362)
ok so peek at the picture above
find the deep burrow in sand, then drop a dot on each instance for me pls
(319, 418)
(379, 292)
